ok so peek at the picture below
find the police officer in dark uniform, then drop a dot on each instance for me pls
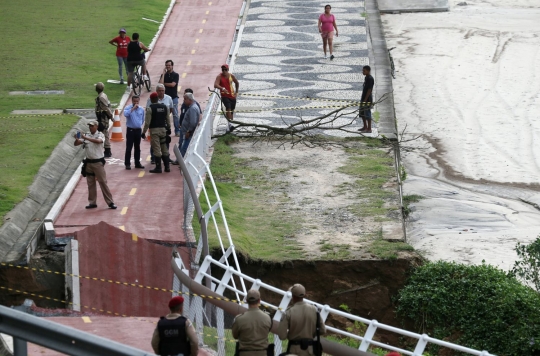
(174, 334)
(157, 119)
(252, 327)
(299, 324)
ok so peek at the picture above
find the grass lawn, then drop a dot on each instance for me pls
(25, 144)
(260, 231)
(57, 45)
(64, 45)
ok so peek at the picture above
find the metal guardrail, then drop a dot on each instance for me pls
(28, 328)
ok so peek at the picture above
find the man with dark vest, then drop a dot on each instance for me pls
(299, 324)
(157, 120)
(174, 334)
(252, 327)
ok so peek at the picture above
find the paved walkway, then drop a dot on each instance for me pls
(197, 37)
(281, 55)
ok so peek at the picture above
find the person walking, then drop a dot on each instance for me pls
(93, 165)
(157, 121)
(190, 121)
(299, 324)
(103, 116)
(252, 327)
(224, 82)
(366, 100)
(135, 57)
(169, 78)
(134, 121)
(121, 42)
(162, 99)
(174, 333)
(327, 24)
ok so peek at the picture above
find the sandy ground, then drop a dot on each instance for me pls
(315, 189)
(468, 81)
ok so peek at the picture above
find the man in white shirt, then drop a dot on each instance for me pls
(93, 165)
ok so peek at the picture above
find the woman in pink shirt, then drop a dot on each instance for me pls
(327, 24)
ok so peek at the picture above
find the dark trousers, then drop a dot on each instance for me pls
(133, 138)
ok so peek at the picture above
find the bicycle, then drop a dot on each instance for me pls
(392, 67)
(139, 81)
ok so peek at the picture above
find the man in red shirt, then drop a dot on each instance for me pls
(228, 94)
(121, 42)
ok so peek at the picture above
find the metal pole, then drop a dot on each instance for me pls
(20, 347)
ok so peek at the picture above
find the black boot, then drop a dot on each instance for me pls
(107, 153)
(158, 166)
(166, 162)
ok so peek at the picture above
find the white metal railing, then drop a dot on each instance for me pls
(366, 340)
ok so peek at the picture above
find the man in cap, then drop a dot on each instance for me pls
(103, 115)
(299, 323)
(157, 121)
(224, 82)
(189, 122)
(174, 334)
(252, 327)
(121, 42)
(94, 164)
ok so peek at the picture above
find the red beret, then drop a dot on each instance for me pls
(178, 300)
(153, 95)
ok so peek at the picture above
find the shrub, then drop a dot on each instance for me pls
(527, 267)
(480, 307)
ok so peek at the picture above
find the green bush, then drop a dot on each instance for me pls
(527, 267)
(480, 307)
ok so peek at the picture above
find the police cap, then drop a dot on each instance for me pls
(253, 295)
(298, 290)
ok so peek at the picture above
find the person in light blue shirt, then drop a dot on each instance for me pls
(134, 115)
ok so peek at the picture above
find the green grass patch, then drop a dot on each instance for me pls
(388, 250)
(25, 144)
(64, 45)
(335, 252)
(260, 230)
(373, 168)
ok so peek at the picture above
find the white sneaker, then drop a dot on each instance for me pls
(145, 77)
(325, 56)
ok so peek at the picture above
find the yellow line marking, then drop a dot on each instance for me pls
(200, 31)
(124, 210)
(207, 12)
(149, 158)
(133, 191)
(188, 63)
(192, 51)
(123, 228)
(204, 21)
(179, 87)
(210, 3)
(184, 75)
(141, 174)
(134, 237)
(86, 319)
(197, 40)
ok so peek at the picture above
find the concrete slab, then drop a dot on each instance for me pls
(36, 112)
(397, 6)
(136, 332)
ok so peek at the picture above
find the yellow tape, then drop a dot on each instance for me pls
(297, 98)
